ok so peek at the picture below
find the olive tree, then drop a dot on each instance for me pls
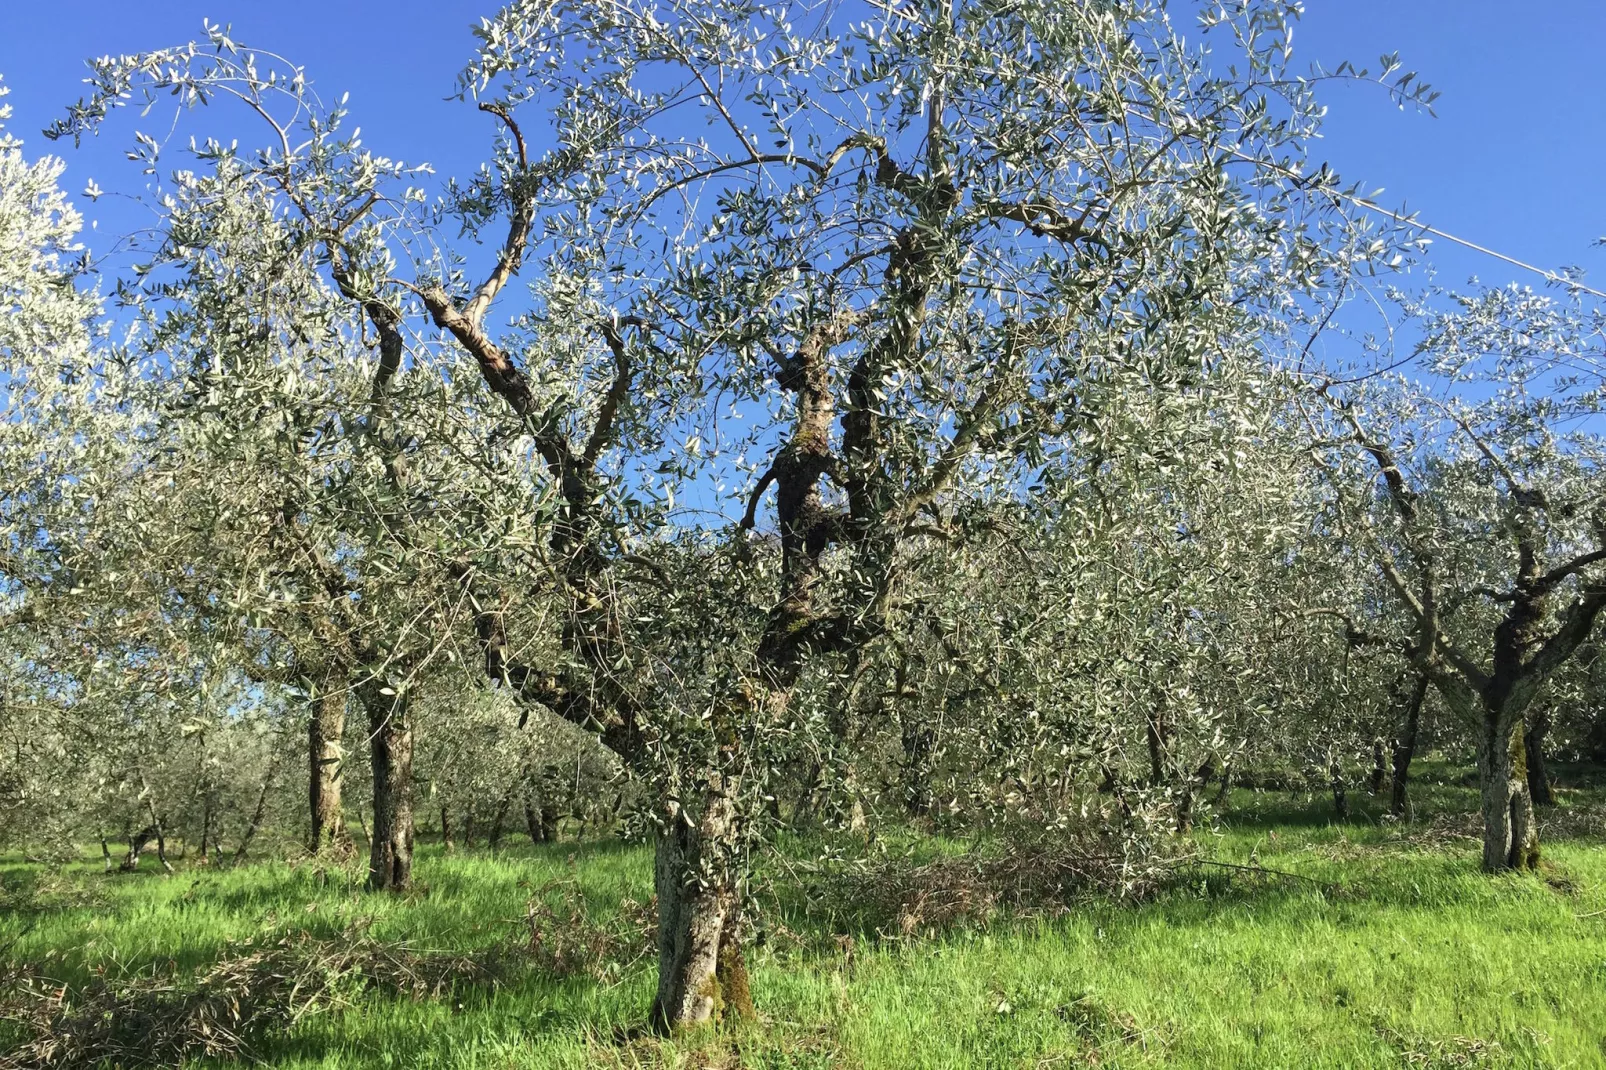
(1492, 533)
(886, 268)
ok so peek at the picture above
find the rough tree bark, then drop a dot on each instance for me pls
(702, 976)
(326, 726)
(1533, 743)
(390, 862)
(1510, 837)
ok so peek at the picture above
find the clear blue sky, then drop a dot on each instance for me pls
(1514, 160)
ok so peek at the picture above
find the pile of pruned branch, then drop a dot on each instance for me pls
(896, 897)
(161, 1018)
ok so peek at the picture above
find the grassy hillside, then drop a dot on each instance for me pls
(1371, 946)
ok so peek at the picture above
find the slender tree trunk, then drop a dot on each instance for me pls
(446, 829)
(156, 825)
(702, 976)
(1533, 743)
(206, 822)
(1405, 749)
(1335, 779)
(1510, 838)
(1380, 766)
(257, 814)
(325, 728)
(468, 827)
(499, 820)
(105, 852)
(390, 861)
(532, 819)
(1155, 735)
(1194, 787)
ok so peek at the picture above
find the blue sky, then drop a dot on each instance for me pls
(1514, 159)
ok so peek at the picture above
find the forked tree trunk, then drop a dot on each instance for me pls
(390, 860)
(325, 727)
(1533, 744)
(156, 826)
(702, 976)
(1510, 838)
(137, 842)
(1405, 749)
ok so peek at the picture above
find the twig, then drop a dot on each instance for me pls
(1263, 869)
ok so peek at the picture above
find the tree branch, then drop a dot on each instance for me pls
(518, 233)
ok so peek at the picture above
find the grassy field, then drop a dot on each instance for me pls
(1387, 949)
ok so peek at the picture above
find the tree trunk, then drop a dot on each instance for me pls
(702, 976)
(390, 861)
(498, 821)
(1335, 778)
(325, 728)
(206, 822)
(1533, 743)
(1405, 749)
(446, 829)
(137, 843)
(1510, 838)
(1191, 790)
(1155, 736)
(258, 814)
(1380, 767)
(156, 825)
(532, 819)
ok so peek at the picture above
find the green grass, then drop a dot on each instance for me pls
(1395, 952)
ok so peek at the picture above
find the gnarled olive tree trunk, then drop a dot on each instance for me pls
(326, 725)
(702, 976)
(1510, 837)
(390, 860)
